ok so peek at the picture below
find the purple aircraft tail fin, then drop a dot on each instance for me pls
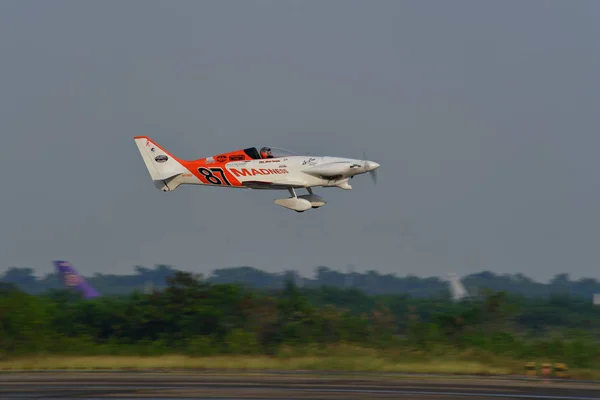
(71, 279)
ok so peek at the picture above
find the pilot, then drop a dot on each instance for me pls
(266, 152)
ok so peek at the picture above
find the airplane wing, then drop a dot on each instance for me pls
(283, 184)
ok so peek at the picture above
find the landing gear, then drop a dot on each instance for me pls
(301, 203)
(315, 201)
(294, 203)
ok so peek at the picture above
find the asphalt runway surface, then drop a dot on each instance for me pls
(141, 385)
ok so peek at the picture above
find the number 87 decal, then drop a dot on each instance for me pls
(208, 174)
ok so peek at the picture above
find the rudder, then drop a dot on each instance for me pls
(162, 166)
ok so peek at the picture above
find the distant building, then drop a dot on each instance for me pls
(597, 299)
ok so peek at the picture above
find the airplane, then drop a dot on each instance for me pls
(71, 279)
(266, 168)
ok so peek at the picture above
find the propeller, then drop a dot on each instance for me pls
(373, 172)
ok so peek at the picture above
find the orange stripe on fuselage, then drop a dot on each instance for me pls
(194, 165)
(219, 162)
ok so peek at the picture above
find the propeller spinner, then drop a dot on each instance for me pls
(370, 167)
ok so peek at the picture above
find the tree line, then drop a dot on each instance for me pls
(192, 316)
(370, 282)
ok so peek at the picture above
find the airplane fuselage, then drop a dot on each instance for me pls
(264, 174)
(249, 169)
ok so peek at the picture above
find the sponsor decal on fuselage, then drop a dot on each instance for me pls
(221, 158)
(161, 158)
(236, 157)
(237, 164)
(259, 171)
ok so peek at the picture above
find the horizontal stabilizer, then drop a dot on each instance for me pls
(166, 175)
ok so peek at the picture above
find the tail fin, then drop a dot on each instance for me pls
(162, 166)
(71, 279)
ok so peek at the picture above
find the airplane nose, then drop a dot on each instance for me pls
(371, 165)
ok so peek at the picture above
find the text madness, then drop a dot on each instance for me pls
(261, 171)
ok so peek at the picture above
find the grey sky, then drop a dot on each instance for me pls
(483, 115)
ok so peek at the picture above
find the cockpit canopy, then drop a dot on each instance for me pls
(261, 152)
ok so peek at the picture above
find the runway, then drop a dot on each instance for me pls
(206, 386)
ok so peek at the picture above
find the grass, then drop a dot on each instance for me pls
(344, 358)
(306, 363)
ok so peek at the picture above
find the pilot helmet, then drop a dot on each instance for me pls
(265, 152)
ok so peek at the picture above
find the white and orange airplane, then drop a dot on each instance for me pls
(255, 168)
